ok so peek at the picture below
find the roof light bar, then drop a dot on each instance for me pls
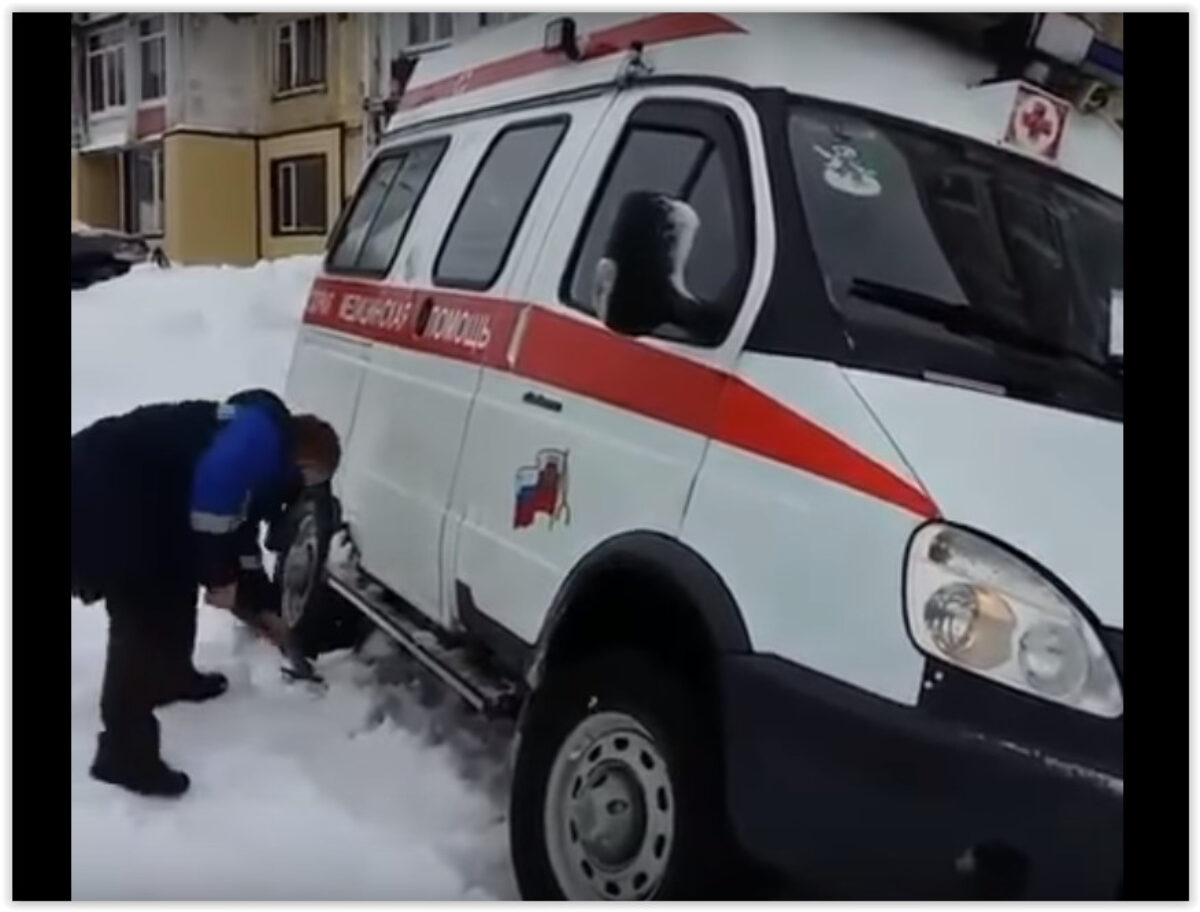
(1063, 38)
(1105, 62)
(1072, 41)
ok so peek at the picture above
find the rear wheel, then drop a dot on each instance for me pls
(616, 791)
(320, 619)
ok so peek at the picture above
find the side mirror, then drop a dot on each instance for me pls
(639, 282)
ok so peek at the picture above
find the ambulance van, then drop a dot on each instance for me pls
(736, 402)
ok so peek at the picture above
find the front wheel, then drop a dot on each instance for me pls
(616, 790)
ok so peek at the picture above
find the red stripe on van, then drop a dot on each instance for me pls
(749, 419)
(616, 39)
(582, 357)
(468, 327)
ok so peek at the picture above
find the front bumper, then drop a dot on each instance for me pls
(863, 798)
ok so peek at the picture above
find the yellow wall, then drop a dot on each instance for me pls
(96, 189)
(326, 142)
(209, 198)
(349, 67)
(338, 100)
(74, 186)
(354, 162)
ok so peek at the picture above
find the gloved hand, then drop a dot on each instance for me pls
(275, 629)
(257, 607)
(222, 596)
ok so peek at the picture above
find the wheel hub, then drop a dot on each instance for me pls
(300, 568)
(610, 815)
(610, 811)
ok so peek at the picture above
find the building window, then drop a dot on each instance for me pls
(298, 195)
(490, 20)
(300, 54)
(152, 42)
(429, 28)
(144, 190)
(106, 70)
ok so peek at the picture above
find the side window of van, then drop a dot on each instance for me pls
(694, 152)
(371, 232)
(483, 230)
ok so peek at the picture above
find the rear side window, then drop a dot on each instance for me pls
(373, 229)
(693, 152)
(483, 230)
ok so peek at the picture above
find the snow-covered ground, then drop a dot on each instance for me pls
(372, 790)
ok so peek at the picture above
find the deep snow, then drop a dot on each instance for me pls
(365, 792)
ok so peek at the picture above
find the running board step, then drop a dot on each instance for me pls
(491, 695)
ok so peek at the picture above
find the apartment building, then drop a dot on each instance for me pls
(118, 116)
(230, 137)
(222, 137)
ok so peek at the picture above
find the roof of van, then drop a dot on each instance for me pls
(859, 59)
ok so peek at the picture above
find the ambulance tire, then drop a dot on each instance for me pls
(627, 691)
(320, 619)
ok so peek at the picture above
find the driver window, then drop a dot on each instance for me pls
(687, 151)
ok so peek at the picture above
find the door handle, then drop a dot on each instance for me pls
(532, 398)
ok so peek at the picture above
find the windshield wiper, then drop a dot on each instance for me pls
(966, 320)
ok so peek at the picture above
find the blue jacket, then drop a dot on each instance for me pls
(241, 480)
(178, 490)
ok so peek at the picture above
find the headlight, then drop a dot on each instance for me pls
(973, 604)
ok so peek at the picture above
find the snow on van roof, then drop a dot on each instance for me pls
(858, 59)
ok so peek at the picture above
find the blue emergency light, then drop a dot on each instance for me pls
(1069, 40)
(1106, 62)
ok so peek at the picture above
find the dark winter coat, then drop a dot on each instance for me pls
(177, 490)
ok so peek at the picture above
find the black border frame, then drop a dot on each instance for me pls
(1157, 452)
(41, 671)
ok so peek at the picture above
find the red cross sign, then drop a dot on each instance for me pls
(1037, 122)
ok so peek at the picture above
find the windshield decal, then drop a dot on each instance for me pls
(846, 174)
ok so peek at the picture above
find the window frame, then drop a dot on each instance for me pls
(433, 42)
(488, 20)
(442, 143)
(465, 285)
(158, 183)
(159, 37)
(722, 130)
(292, 23)
(115, 49)
(277, 167)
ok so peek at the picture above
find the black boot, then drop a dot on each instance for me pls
(133, 763)
(199, 686)
(204, 685)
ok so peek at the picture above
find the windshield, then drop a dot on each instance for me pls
(945, 257)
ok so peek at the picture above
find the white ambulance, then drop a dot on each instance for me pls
(737, 400)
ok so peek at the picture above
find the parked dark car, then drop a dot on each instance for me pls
(100, 253)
